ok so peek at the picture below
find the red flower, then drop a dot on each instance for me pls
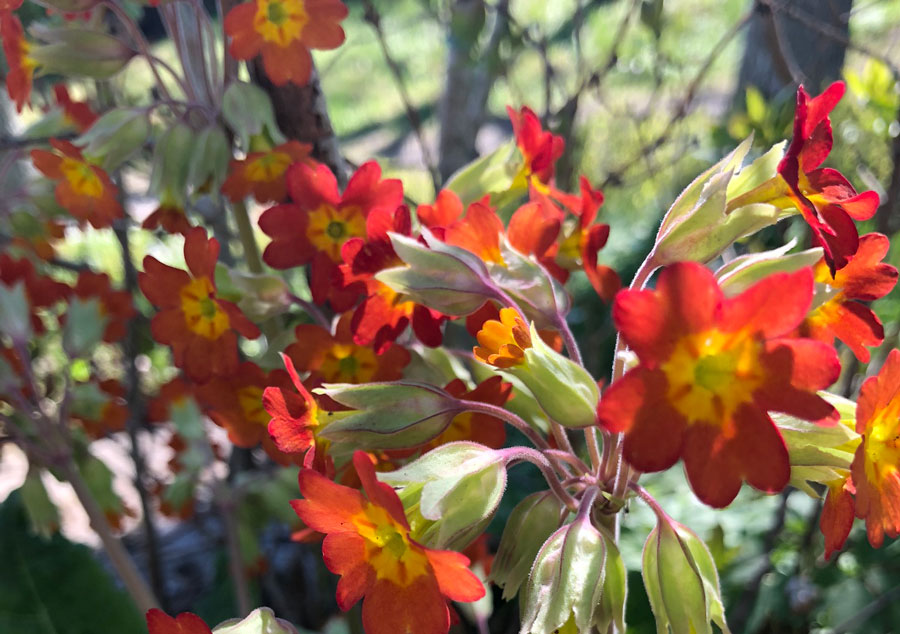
(314, 228)
(170, 217)
(876, 466)
(235, 402)
(158, 622)
(283, 31)
(585, 240)
(711, 368)
(198, 325)
(295, 419)
(540, 148)
(826, 199)
(405, 585)
(174, 392)
(84, 190)
(116, 306)
(40, 291)
(384, 314)
(101, 418)
(864, 278)
(77, 113)
(337, 359)
(21, 66)
(263, 173)
(837, 514)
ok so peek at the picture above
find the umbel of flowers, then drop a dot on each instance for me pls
(401, 442)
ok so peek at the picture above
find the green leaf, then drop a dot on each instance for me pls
(54, 586)
(14, 313)
(116, 136)
(84, 327)
(248, 111)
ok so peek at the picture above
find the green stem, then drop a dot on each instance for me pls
(248, 238)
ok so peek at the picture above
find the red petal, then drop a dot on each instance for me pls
(201, 253)
(379, 493)
(455, 580)
(773, 306)
(327, 506)
(837, 517)
(416, 608)
(345, 554)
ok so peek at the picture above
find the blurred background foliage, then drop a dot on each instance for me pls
(648, 93)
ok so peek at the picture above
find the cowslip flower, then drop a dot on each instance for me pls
(158, 622)
(315, 226)
(404, 586)
(77, 114)
(262, 173)
(502, 343)
(383, 315)
(21, 67)
(199, 326)
(338, 359)
(876, 465)
(40, 291)
(711, 368)
(865, 278)
(235, 402)
(101, 417)
(283, 31)
(540, 150)
(84, 190)
(168, 216)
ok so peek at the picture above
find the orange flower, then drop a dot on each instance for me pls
(283, 31)
(77, 113)
(84, 190)
(21, 66)
(711, 368)
(876, 466)
(40, 291)
(865, 278)
(263, 173)
(338, 359)
(101, 418)
(235, 402)
(116, 306)
(540, 148)
(198, 325)
(405, 585)
(158, 622)
(170, 217)
(37, 235)
(314, 228)
(503, 343)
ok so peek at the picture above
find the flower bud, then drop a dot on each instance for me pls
(566, 583)
(260, 621)
(248, 111)
(209, 159)
(116, 136)
(450, 493)
(79, 52)
(538, 293)
(172, 161)
(700, 225)
(441, 276)
(681, 580)
(389, 415)
(743, 272)
(528, 527)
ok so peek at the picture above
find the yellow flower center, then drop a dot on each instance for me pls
(201, 312)
(329, 228)
(250, 400)
(81, 177)
(280, 21)
(882, 443)
(268, 167)
(710, 374)
(388, 548)
(349, 363)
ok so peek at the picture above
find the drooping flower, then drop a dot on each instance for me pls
(384, 314)
(338, 359)
(77, 113)
(865, 278)
(404, 586)
(37, 235)
(115, 305)
(711, 368)
(876, 465)
(837, 514)
(540, 149)
(21, 66)
(502, 343)
(170, 217)
(158, 622)
(105, 415)
(200, 327)
(84, 189)
(315, 226)
(295, 420)
(283, 32)
(262, 174)
(235, 402)
(827, 200)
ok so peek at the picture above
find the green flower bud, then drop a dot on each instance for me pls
(743, 272)
(450, 493)
(260, 621)
(78, 52)
(248, 111)
(681, 581)
(528, 527)
(116, 136)
(566, 583)
(172, 162)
